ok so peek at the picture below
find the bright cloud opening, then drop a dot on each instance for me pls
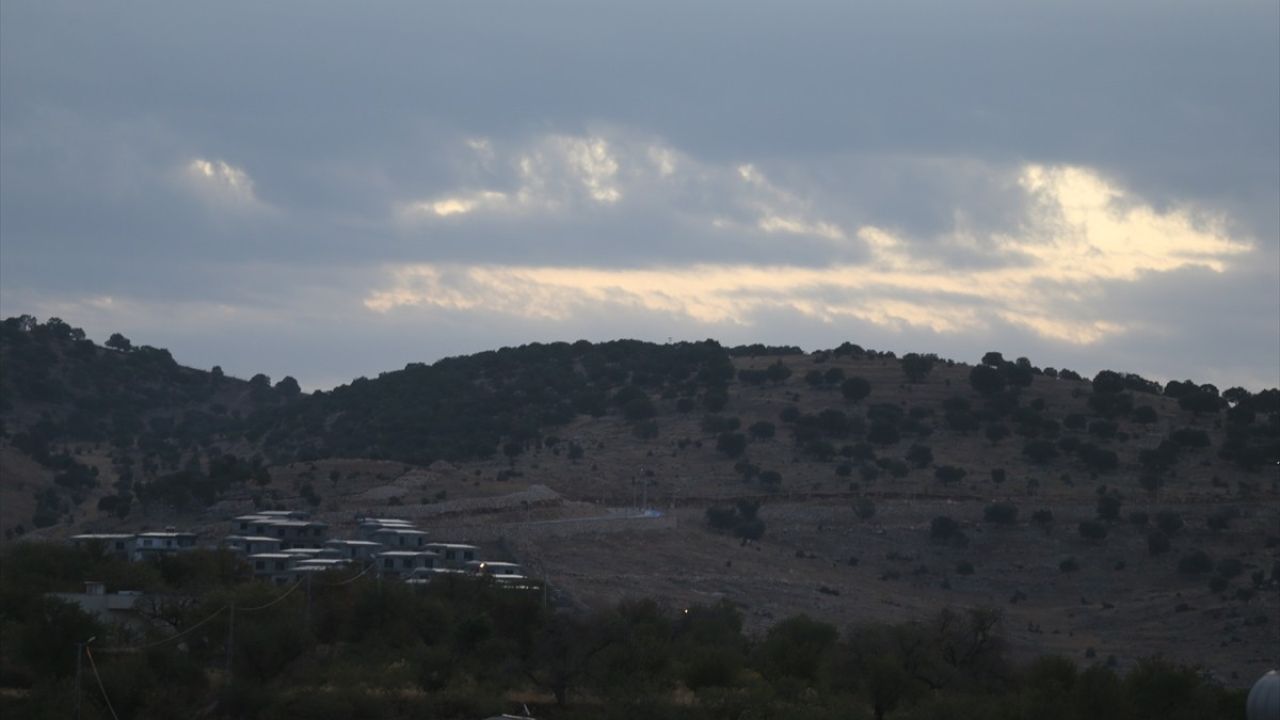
(1079, 232)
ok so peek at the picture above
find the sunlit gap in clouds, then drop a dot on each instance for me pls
(1079, 231)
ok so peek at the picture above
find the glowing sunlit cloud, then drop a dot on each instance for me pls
(1093, 230)
(546, 176)
(458, 204)
(565, 174)
(595, 166)
(220, 181)
(779, 211)
(796, 226)
(1080, 232)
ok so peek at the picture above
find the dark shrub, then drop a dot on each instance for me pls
(719, 424)
(1039, 451)
(1157, 543)
(731, 444)
(1168, 522)
(1001, 513)
(1196, 562)
(920, 456)
(1092, 531)
(1230, 567)
(1144, 414)
(1190, 438)
(944, 529)
(1109, 507)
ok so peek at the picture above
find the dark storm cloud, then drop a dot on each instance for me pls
(254, 162)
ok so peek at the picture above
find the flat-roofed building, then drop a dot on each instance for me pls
(252, 544)
(292, 533)
(115, 608)
(285, 514)
(366, 527)
(402, 563)
(454, 555)
(272, 566)
(155, 544)
(493, 567)
(354, 549)
(119, 545)
(398, 538)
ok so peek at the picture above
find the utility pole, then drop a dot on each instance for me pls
(231, 637)
(80, 646)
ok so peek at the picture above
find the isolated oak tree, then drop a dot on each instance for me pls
(916, 366)
(119, 342)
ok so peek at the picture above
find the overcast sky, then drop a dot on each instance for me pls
(329, 190)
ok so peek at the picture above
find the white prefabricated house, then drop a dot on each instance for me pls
(119, 545)
(354, 549)
(400, 538)
(156, 544)
(402, 563)
(252, 544)
(454, 555)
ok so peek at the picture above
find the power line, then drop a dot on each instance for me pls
(286, 594)
(197, 625)
(101, 687)
(350, 580)
(162, 641)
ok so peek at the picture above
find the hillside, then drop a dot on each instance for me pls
(1111, 516)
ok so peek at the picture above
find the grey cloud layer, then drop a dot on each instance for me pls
(915, 118)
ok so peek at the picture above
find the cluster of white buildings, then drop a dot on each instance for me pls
(139, 546)
(284, 545)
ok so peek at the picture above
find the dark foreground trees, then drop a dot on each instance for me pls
(464, 648)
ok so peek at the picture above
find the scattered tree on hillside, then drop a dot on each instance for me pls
(987, 380)
(118, 342)
(855, 389)
(917, 367)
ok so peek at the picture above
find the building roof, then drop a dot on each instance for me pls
(407, 553)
